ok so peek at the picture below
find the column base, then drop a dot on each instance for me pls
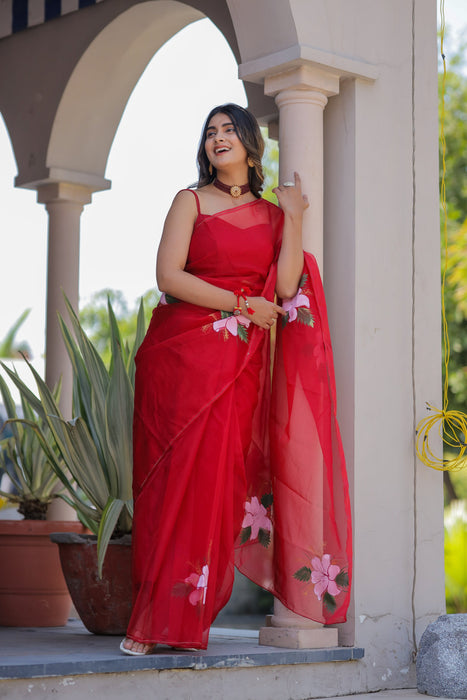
(296, 638)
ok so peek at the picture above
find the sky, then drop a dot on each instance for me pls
(152, 157)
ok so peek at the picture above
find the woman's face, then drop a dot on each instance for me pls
(222, 145)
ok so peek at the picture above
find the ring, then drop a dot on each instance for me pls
(288, 184)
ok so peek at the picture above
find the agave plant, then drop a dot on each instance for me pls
(95, 447)
(21, 457)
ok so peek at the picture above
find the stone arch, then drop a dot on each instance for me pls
(93, 101)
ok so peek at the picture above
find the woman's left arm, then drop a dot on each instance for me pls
(290, 260)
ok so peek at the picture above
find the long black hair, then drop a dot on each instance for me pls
(248, 131)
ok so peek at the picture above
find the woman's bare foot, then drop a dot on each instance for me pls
(129, 646)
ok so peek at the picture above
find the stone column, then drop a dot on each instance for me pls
(64, 203)
(301, 95)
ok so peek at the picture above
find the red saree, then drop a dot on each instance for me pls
(213, 446)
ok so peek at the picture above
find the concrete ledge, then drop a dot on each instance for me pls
(72, 651)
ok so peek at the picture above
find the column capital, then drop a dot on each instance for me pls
(305, 78)
(64, 192)
(258, 69)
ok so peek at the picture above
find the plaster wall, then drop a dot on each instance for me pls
(383, 244)
(62, 121)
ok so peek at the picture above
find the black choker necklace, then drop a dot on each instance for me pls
(234, 190)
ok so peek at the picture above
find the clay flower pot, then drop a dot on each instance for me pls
(33, 592)
(104, 605)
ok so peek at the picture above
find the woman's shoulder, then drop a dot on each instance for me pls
(187, 198)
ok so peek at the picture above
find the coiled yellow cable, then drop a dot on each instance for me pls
(452, 425)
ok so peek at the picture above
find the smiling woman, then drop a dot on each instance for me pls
(202, 475)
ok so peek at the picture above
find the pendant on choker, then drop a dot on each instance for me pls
(234, 190)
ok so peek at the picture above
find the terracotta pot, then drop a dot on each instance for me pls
(33, 592)
(104, 605)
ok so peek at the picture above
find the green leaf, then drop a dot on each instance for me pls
(140, 331)
(242, 333)
(226, 314)
(267, 500)
(9, 406)
(171, 300)
(30, 397)
(342, 579)
(305, 317)
(303, 574)
(7, 344)
(119, 422)
(264, 537)
(285, 319)
(109, 519)
(303, 280)
(329, 602)
(245, 535)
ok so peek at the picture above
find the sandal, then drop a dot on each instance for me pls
(130, 652)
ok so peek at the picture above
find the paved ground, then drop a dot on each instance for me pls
(44, 652)
(56, 655)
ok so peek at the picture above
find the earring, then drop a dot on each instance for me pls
(250, 162)
(210, 168)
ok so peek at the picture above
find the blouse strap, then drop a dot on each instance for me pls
(187, 189)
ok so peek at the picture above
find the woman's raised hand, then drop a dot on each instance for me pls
(290, 198)
(266, 312)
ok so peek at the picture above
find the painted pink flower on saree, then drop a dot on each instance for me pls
(200, 584)
(323, 575)
(256, 518)
(231, 323)
(291, 305)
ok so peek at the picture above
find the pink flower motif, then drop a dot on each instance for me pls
(200, 583)
(323, 576)
(163, 300)
(256, 517)
(231, 323)
(291, 305)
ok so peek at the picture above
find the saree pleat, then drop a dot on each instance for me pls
(204, 480)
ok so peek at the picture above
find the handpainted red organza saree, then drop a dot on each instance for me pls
(227, 471)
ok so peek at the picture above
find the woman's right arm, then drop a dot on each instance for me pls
(171, 261)
(172, 256)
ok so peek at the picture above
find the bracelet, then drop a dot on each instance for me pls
(243, 292)
(250, 311)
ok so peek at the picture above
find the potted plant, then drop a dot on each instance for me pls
(95, 448)
(33, 592)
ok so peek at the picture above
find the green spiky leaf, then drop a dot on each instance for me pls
(171, 300)
(264, 537)
(303, 574)
(242, 333)
(342, 579)
(245, 535)
(305, 317)
(267, 500)
(329, 602)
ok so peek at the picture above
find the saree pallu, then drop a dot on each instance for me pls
(225, 471)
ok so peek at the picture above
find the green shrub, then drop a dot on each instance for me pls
(455, 556)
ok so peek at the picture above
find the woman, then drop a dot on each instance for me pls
(203, 410)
